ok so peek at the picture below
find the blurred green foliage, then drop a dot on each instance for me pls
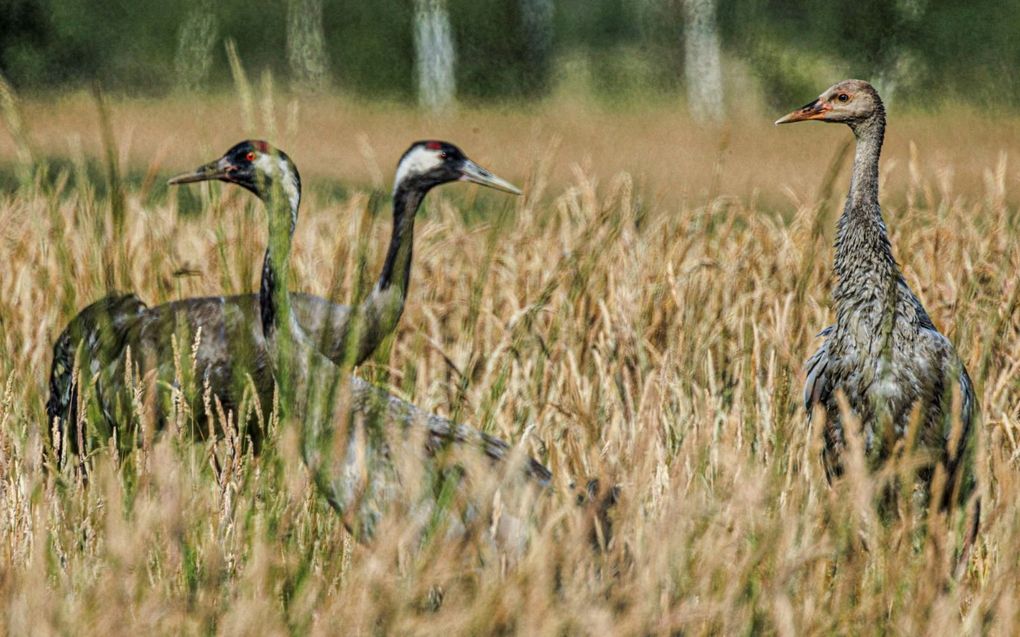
(509, 49)
(930, 49)
(495, 56)
(370, 45)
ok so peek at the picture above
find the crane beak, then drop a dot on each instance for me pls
(214, 170)
(815, 110)
(470, 171)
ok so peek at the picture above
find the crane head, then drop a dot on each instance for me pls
(847, 102)
(427, 164)
(252, 164)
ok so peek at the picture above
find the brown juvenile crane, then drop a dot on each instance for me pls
(884, 354)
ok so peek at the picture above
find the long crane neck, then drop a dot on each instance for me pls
(864, 261)
(379, 313)
(870, 136)
(306, 381)
(396, 271)
(278, 323)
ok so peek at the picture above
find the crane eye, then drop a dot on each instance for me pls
(443, 155)
(250, 156)
(843, 97)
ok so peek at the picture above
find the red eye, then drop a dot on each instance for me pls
(250, 156)
(442, 155)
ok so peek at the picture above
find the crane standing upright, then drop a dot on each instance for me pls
(884, 353)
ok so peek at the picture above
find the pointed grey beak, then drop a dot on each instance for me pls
(218, 169)
(470, 171)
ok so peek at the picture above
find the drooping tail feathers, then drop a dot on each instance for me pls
(99, 329)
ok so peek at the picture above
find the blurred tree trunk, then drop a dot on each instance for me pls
(434, 54)
(306, 45)
(702, 61)
(537, 20)
(901, 69)
(196, 39)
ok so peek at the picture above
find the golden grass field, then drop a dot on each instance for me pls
(676, 278)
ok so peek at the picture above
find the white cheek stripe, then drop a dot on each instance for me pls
(417, 162)
(290, 186)
(264, 162)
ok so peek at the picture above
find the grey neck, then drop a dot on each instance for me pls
(870, 134)
(864, 260)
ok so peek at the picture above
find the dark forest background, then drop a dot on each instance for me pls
(932, 51)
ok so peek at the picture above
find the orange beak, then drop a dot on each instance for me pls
(815, 110)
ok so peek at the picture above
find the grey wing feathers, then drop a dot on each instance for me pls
(816, 387)
(442, 432)
(953, 367)
(958, 456)
(923, 320)
(105, 326)
(229, 324)
(325, 323)
(101, 326)
(968, 400)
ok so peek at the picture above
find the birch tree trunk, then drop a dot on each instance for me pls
(196, 39)
(306, 45)
(537, 23)
(702, 60)
(434, 53)
(537, 19)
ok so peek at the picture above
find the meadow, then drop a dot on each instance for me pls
(641, 315)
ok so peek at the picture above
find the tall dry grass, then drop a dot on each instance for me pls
(618, 324)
